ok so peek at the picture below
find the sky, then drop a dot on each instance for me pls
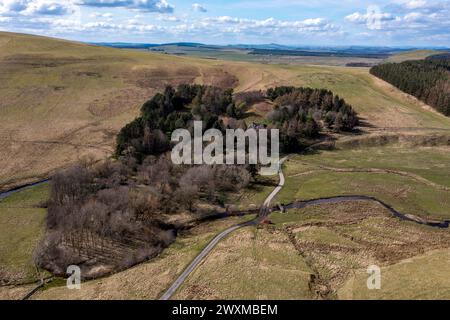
(418, 23)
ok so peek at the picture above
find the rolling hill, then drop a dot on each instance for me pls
(62, 100)
(412, 55)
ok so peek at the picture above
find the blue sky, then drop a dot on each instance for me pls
(293, 22)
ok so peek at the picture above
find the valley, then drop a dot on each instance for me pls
(64, 102)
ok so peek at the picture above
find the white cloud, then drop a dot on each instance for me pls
(413, 17)
(414, 4)
(161, 6)
(97, 15)
(35, 7)
(374, 18)
(168, 18)
(421, 16)
(184, 29)
(199, 8)
(314, 22)
(371, 17)
(13, 6)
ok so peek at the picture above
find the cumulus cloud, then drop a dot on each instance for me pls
(272, 24)
(414, 4)
(223, 27)
(403, 20)
(168, 18)
(374, 18)
(35, 7)
(198, 8)
(161, 6)
(96, 15)
(417, 15)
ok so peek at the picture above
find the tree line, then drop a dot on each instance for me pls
(428, 80)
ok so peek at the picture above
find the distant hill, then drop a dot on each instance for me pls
(304, 53)
(391, 54)
(412, 55)
(440, 56)
(124, 45)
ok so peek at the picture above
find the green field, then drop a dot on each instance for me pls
(22, 224)
(413, 181)
(432, 163)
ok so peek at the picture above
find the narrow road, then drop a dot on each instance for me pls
(278, 188)
(194, 264)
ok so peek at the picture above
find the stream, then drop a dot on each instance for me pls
(340, 199)
(6, 194)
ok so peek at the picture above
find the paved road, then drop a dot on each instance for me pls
(194, 264)
(278, 188)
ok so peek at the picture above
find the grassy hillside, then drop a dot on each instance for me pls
(62, 100)
(379, 104)
(412, 55)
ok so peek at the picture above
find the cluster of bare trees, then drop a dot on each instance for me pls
(179, 187)
(122, 206)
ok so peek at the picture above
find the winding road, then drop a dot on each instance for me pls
(264, 211)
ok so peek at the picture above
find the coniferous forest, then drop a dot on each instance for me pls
(428, 80)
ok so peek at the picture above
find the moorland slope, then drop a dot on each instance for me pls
(62, 100)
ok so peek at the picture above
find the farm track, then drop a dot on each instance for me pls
(371, 170)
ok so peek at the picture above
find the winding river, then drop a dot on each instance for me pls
(340, 199)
